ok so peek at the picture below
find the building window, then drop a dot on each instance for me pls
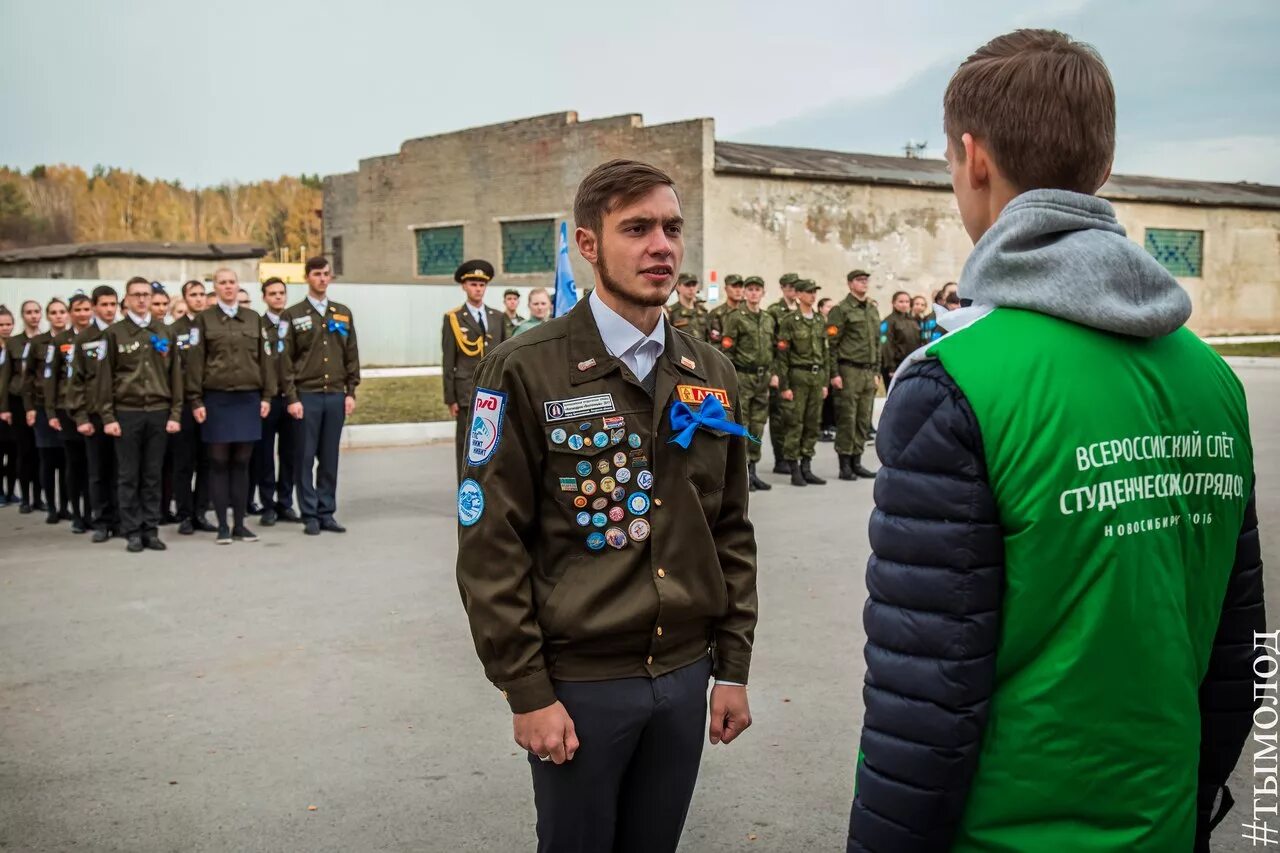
(439, 250)
(529, 246)
(1180, 252)
(337, 255)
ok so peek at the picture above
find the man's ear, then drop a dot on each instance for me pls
(588, 246)
(979, 160)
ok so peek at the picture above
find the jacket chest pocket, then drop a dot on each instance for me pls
(597, 464)
(705, 460)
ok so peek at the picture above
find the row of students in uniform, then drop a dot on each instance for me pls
(116, 418)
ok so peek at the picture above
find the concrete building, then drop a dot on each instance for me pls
(500, 192)
(118, 262)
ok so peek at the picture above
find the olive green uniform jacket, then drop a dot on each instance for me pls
(82, 396)
(694, 321)
(140, 371)
(321, 354)
(226, 353)
(459, 369)
(855, 333)
(681, 578)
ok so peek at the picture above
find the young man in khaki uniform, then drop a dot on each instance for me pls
(139, 392)
(603, 543)
(100, 451)
(777, 421)
(854, 324)
(804, 368)
(688, 314)
(748, 336)
(732, 300)
(469, 331)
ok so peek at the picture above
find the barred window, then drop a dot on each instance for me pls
(529, 246)
(439, 249)
(1180, 252)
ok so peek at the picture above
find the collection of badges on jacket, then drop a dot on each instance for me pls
(602, 500)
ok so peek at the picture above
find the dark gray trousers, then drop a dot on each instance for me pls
(317, 439)
(627, 790)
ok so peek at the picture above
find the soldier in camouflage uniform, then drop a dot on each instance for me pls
(688, 315)
(777, 422)
(854, 330)
(804, 367)
(732, 301)
(748, 336)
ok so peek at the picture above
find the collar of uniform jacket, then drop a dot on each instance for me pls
(586, 344)
(620, 337)
(319, 307)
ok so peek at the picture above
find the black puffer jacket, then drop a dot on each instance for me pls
(935, 583)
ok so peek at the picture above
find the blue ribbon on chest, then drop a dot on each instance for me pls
(710, 415)
(338, 326)
(159, 344)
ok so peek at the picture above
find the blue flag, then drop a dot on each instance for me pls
(566, 295)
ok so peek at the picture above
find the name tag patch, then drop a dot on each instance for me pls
(695, 394)
(578, 407)
(487, 411)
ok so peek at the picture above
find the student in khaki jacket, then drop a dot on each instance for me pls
(605, 558)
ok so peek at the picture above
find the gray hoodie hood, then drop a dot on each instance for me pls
(1064, 254)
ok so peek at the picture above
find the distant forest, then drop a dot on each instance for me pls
(64, 204)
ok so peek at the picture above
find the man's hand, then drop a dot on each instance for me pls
(55, 424)
(31, 418)
(112, 429)
(6, 417)
(172, 427)
(773, 381)
(199, 414)
(349, 405)
(453, 410)
(264, 409)
(85, 429)
(730, 713)
(788, 394)
(547, 731)
(825, 389)
(837, 382)
(295, 411)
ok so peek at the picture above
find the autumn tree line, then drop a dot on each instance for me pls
(64, 204)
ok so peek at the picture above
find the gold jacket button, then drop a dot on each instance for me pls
(649, 660)
(662, 573)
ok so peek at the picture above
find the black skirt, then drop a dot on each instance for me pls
(232, 416)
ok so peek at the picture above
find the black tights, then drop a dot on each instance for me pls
(229, 479)
(53, 470)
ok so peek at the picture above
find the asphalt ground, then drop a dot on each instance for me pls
(206, 698)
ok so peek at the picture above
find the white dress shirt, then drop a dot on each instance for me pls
(625, 342)
(141, 321)
(477, 314)
(230, 310)
(321, 306)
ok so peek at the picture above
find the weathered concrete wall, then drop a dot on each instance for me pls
(478, 177)
(116, 271)
(912, 239)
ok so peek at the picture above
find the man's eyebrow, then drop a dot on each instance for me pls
(637, 220)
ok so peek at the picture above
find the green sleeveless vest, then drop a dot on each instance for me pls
(1121, 468)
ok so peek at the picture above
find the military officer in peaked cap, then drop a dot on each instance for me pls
(605, 557)
(469, 331)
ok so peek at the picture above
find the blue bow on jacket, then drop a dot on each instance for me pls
(711, 415)
(159, 344)
(339, 327)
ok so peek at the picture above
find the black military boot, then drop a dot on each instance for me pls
(797, 478)
(780, 465)
(861, 471)
(807, 473)
(757, 485)
(846, 467)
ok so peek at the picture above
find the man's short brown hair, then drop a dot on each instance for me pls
(612, 184)
(137, 279)
(1044, 106)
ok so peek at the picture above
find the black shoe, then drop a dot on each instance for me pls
(754, 481)
(807, 472)
(100, 536)
(268, 517)
(135, 545)
(65, 515)
(859, 470)
(167, 519)
(24, 508)
(52, 518)
(224, 535)
(77, 526)
(38, 505)
(312, 527)
(331, 526)
(285, 513)
(202, 524)
(185, 527)
(252, 508)
(797, 478)
(244, 534)
(846, 467)
(153, 543)
(781, 466)
(827, 435)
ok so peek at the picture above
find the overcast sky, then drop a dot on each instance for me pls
(212, 91)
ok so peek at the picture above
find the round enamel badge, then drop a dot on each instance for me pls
(575, 442)
(595, 541)
(599, 519)
(558, 436)
(615, 537)
(600, 504)
(584, 468)
(588, 487)
(600, 439)
(608, 484)
(602, 466)
(639, 530)
(619, 494)
(638, 503)
(619, 459)
(645, 480)
(633, 440)
(616, 514)
(623, 475)
(583, 519)
(580, 502)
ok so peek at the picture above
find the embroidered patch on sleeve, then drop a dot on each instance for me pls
(487, 411)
